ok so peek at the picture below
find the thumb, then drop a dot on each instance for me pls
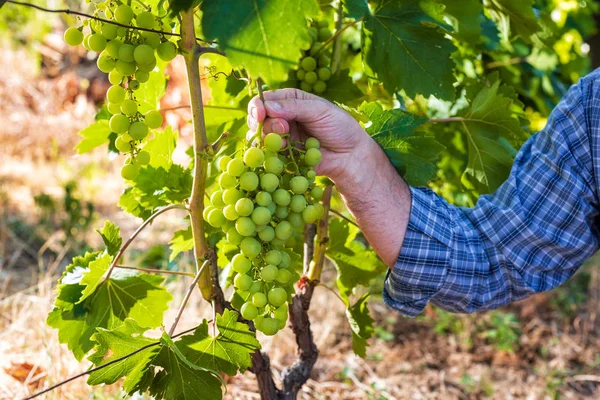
(297, 110)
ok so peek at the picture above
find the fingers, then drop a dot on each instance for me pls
(256, 108)
(256, 111)
(297, 110)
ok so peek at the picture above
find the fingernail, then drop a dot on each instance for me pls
(277, 127)
(254, 113)
(273, 105)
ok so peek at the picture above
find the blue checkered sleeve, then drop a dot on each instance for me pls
(529, 236)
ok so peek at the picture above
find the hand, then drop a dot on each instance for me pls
(343, 141)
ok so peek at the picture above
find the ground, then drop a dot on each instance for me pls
(556, 352)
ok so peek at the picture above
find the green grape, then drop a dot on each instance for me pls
(227, 181)
(257, 286)
(153, 118)
(216, 218)
(269, 182)
(207, 211)
(269, 273)
(244, 207)
(241, 264)
(166, 51)
(125, 68)
(320, 208)
(277, 242)
(142, 77)
(324, 60)
(310, 214)
(115, 78)
(112, 48)
(115, 94)
(143, 54)
(324, 34)
(277, 296)
(258, 322)
(109, 31)
(245, 226)
(105, 63)
(130, 172)
(281, 313)
(286, 261)
(311, 77)
(216, 198)
(306, 87)
(313, 32)
(152, 39)
(121, 31)
(234, 237)
(311, 158)
(236, 167)
(73, 37)
(311, 175)
(232, 195)
(118, 123)
(143, 158)
(300, 74)
(250, 247)
(295, 219)
(227, 225)
(319, 87)
(324, 73)
(138, 130)
(308, 64)
(242, 281)
(230, 213)
(272, 207)
(263, 199)
(322, 23)
(123, 145)
(283, 276)
(273, 257)
(145, 19)
(259, 299)
(267, 234)
(249, 311)
(312, 143)
(317, 193)
(86, 42)
(298, 203)
(281, 212)
(261, 216)
(113, 108)
(147, 67)
(273, 165)
(129, 107)
(282, 197)
(273, 142)
(283, 230)
(97, 42)
(299, 184)
(126, 52)
(124, 14)
(254, 157)
(249, 181)
(270, 326)
(222, 163)
(133, 85)
(315, 48)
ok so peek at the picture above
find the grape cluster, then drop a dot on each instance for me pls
(314, 71)
(127, 55)
(264, 194)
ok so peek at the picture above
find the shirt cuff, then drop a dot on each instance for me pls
(422, 264)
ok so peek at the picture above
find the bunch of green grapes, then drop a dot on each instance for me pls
(265, 193)
(127, 55)
(314, 71)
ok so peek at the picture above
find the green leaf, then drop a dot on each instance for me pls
(514, 15)
(228, 352)
(404, 48)
(267, 37)
(94, 276)
(182, 241)
(161, 148)
(150, 93)
(356, 9)
(93, 136)
(111, 235)
(340, 88)
(466, 18)
(356, 265)
(117, 343)
(361, 324)
(410, 150)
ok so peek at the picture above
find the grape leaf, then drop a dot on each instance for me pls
(117, 343)
(161, 148)
(356, 265)
(228, 352)
(404, 48)
(514, 15)
(356, 9)
(340, 88)
(361, 324)
(410, 150)
(182, 241)
(265, 36)
(149, 94)
(111, 236)
(93, 136)
(466, 18)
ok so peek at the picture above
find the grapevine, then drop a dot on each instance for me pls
(314, 69)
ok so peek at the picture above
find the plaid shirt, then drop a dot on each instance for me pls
(530, 236)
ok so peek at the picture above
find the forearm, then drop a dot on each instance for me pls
(379, 200)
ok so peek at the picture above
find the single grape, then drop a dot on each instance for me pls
(109, 31)
(125, 68)
(269, 182)
(315, 48)
(145, 19)
(281, 313)
(207, 211)
(244, 207)
(216, 218)
(234, 237)
(105, 63)
(283, 230)
(222, 163)
(113, 108)
(298, 203)
(227, 225)
(261, 216)
(129, 107)
(138, 130)
(312, 143)
(97, 42)
(272, 207)
(227, 181)
(143, 54)
(126, 52)
(324, 73)
(286, 261)
(267, 234)
(115, 77)
(273, 257)
(133, 85)
(124, 14)
(250, 247)
(254, 157)
(245, 226)
(263, 199)
(299, 184)
(295, 219)
(232, 195)
(273, 142)
(151, 39)
(259, 299)
(142, 77)
(317, 193)
(322, 23)
(257, 286)
(308, 64)
(273, 165)
(216, 198)
(311, 158)
(283, 276)
(249, 311)
(123, 145)
(300, 74)
(277, 296)
(242, 281)
(311, 175)
(319, 87)
(73, 37)
(121, 31)
(241, 264)
(115, 94)
(282, 197)
(281, 212)
(166, 51)
(306, 87)
(112, 48)
(270, 326)
(130, 172)
(269, 273)
(236, 167)
(143, 158)
(153, 119)
(310, 214)
(249, 181)
(230, 213)
(324, 34)
(118, 123)
(324, 60)
(311, 78)
(86, 42)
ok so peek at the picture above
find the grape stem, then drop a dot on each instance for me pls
(106, 21)
(187, 296)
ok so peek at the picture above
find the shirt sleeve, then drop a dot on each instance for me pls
(530, 236)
